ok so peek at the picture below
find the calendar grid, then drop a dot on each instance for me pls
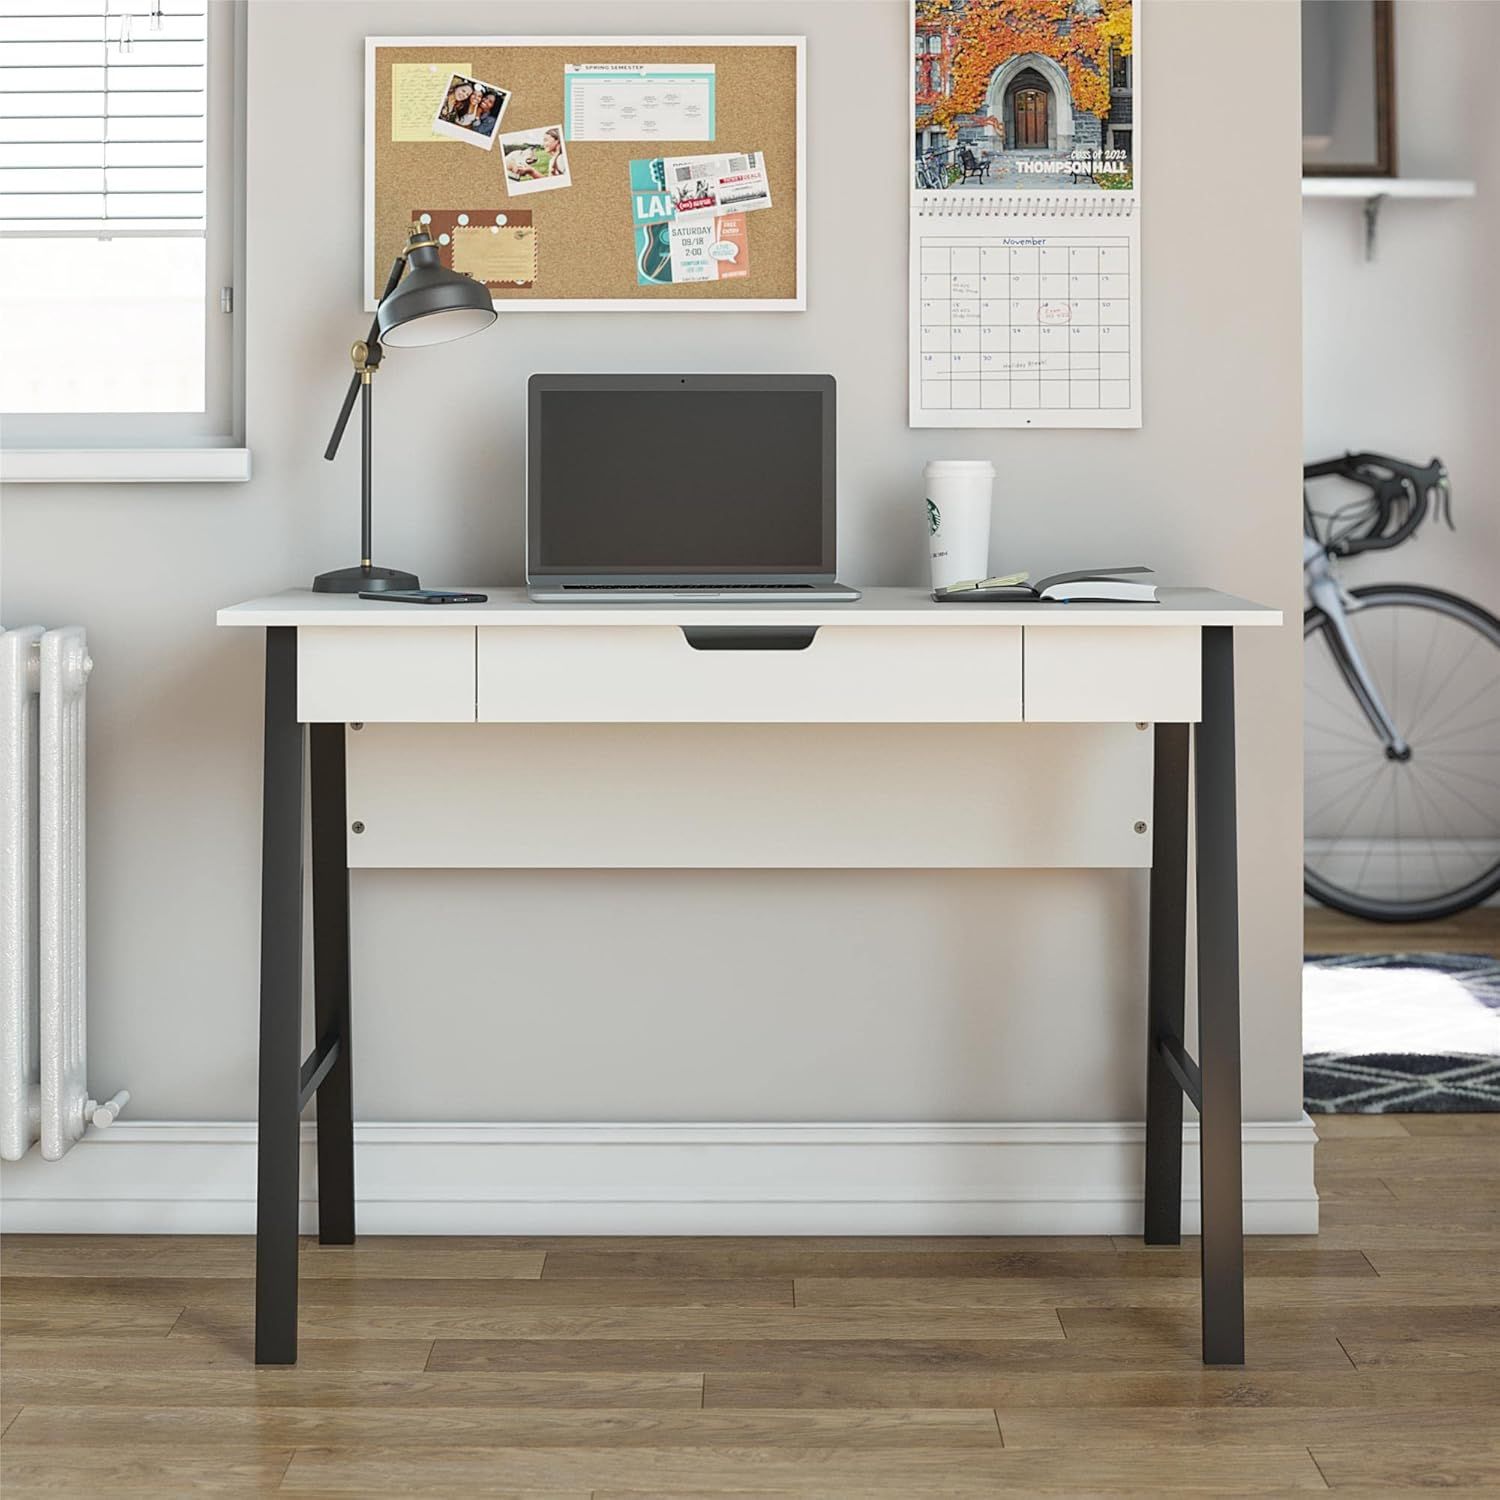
(1025, 323)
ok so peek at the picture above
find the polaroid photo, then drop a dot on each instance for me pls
(470, 111)
(535, 160)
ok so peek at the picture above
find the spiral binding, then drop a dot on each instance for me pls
(1027, 205)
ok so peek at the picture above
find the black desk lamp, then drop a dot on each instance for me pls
(432, 306)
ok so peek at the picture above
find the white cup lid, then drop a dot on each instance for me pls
(960, 466)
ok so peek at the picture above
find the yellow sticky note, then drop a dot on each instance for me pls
(416, 92)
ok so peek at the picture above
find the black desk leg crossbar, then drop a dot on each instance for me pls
(1213, 1082)
(1182, 1068)
(315, 1068)
(287, 1082)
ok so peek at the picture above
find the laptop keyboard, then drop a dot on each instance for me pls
(680, 588)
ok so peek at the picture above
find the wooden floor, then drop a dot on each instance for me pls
(783, 1367)
(765, 1368)
(1327, 931)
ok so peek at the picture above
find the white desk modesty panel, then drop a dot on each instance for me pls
(749, 796)
(888, 733)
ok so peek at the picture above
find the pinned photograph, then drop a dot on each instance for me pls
(535, 160)
(470, 111)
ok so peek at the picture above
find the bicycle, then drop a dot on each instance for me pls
(1401, 816)
(933, 171)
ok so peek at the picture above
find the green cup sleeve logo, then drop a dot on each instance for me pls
(934, 518)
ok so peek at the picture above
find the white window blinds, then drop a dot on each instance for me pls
(103, 116)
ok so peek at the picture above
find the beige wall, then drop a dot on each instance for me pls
(732, 996)
(1403, 353)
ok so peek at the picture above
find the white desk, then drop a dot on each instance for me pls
(435, 742)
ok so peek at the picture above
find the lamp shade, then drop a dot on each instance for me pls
(433, 305)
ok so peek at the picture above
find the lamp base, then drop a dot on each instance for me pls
(362, 580)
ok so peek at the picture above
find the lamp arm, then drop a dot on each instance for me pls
(350, 397)
(372, 361)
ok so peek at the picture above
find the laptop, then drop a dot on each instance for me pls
(685, 487)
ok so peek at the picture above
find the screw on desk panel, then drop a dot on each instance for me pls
(361, 726)
(1138, 726)
(1139, 827)
(360, 827)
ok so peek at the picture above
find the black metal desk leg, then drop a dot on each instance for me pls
(1166, 1002)
(1219, 1009)
(330, 899)
(280, 1009)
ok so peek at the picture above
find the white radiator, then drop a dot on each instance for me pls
(43, 1058)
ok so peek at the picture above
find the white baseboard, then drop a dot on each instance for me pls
(170, 1177)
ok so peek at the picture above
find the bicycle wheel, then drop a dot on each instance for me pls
(1404, 840)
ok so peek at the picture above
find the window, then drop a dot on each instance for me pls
(1120, 71)
(118, 223)
(929, 63)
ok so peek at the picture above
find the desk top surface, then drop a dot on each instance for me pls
(877, 606)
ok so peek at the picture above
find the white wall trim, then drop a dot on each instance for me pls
(124, 465)
(199, 1178)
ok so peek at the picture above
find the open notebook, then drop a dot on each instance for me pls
(1131, 585)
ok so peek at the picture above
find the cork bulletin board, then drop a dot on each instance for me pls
(577, 245)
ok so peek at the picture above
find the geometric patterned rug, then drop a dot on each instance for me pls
(1401, 1033)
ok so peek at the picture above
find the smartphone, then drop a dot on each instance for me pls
(427, 596)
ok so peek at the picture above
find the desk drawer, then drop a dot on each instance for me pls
(1137, 673)
(650, 674)
(385, 674)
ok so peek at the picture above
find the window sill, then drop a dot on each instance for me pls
(124, 465)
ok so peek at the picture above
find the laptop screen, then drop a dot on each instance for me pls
(680, 475)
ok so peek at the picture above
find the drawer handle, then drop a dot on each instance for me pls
(749, 638)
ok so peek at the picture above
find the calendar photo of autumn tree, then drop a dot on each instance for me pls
(1023, 95)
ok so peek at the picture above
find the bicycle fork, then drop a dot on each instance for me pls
(1324, 590)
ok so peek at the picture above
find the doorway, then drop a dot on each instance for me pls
(1031, 119)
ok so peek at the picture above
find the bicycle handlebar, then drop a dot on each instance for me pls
(1397, 488)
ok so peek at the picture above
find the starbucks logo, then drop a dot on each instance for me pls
(934, 519)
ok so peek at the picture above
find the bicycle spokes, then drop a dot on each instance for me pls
(1405, 824)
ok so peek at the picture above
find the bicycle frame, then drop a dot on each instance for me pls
(1325, 591)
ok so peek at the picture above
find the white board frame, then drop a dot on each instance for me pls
(582, 44)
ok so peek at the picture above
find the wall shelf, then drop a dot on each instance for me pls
(1373, 191)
